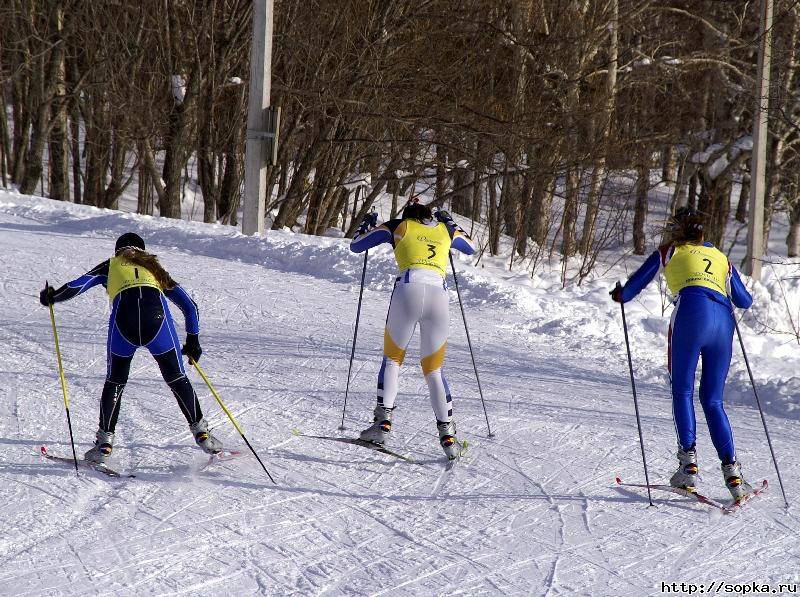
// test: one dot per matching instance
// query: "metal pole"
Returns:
(469, 343)
(230, 416)
(257, 152)
(63, 382)
(755, 226)
(760, 411)
(635, 400)
(355, 335)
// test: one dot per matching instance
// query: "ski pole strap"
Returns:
(219, 400)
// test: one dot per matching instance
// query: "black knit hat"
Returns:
(129, 239)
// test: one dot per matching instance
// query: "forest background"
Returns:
(549, 121)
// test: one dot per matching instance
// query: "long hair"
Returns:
(151, 264)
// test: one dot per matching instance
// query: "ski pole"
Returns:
(469, 343)
(355, 335)
(635, 400)
(63, 380)
(230, 416)
(760, 411)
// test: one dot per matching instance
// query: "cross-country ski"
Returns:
(355, 442)
(221, 457)
(101, 468)
(726, 508)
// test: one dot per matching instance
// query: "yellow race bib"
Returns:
(423, 246)
(122, 274)
(697, 265)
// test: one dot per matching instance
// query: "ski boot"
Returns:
(739, 488)
(686, 475)
(103, 446)
(378, 432)
(447, 439)
(204, 439)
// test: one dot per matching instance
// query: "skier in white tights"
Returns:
(422, 246)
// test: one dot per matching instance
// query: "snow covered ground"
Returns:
(533, 510)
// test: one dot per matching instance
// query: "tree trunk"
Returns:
(229, 189)
(46, 88)
(494, 219)
(97, 146)
(117, 184)
(640, 213)
(526, 210)
(793, 239)
(606, 118)
(58, 162)
(570, 218)
(593, 205)
(460, 198)
(147, 158)
(75, 135)
(5, 140)
(669, 164)
(744, 200)
(144, 197)
(207, 157)
(176, 153)
(541, 202)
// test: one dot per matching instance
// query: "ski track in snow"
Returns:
(531, 511)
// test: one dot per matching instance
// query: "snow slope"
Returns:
(532, 510)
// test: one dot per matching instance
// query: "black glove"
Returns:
(368, 223)
(448, 221)
(192, 347)
(616, 293)
(46, 295)
(444, 216)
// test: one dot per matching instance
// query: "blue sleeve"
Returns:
(189, 308)
(739, 295)
(373, 238)
(641, 277)
(463, 243)
(96, 275)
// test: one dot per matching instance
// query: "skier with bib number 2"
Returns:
(706, 287)
(421, 247)
(138, 285)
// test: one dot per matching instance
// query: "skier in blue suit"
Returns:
(705, 287)
(137, 285)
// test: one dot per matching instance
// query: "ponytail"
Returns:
(151, 264)
(686, 226)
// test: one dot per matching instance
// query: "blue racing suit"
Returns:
(701, 325)
(140, 317)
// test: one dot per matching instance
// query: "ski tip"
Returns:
(296, 431)
(43, 449)
(619, 480)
